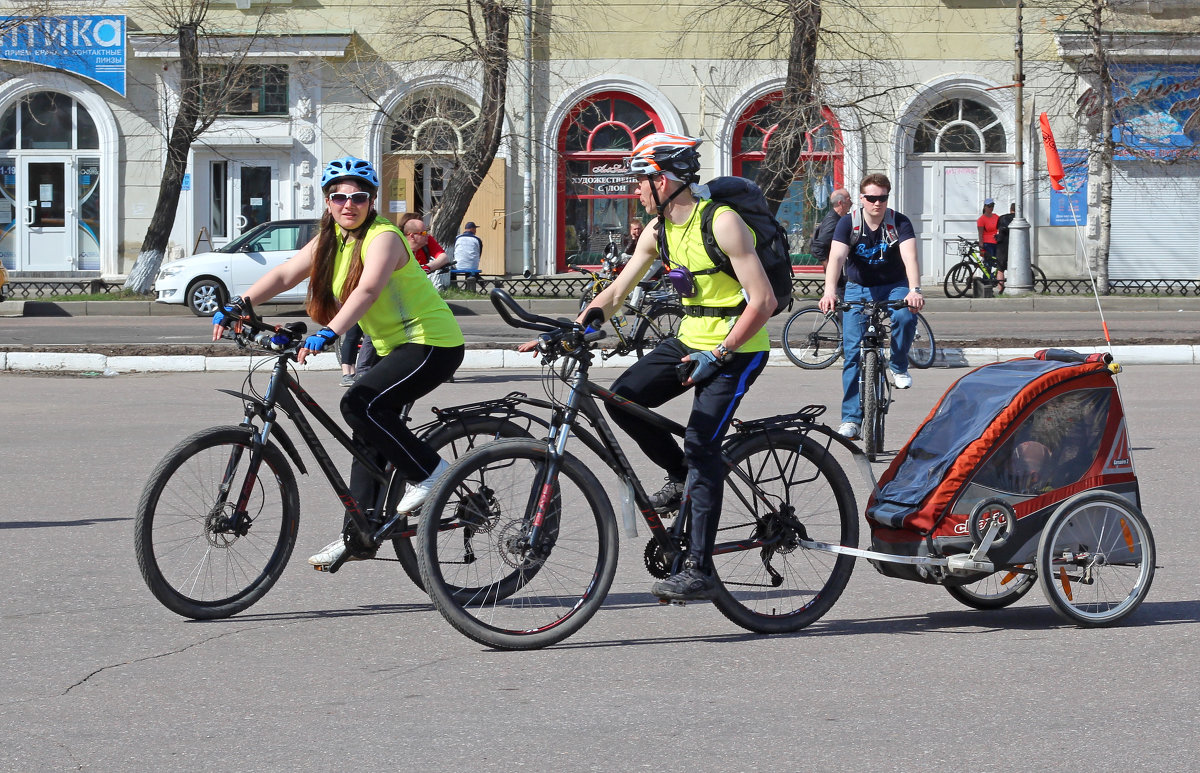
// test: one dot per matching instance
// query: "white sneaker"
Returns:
(328, 554)
(416, 493)
(901, 380)
(848, 430)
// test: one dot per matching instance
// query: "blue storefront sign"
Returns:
(91, 46)
(1156, 108)
(1069, 206)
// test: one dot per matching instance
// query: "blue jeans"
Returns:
(904, 326)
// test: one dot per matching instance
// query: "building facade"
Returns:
(86, 104)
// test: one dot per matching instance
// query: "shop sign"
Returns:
(1069, 206)
(1155, 108)
(91, 46)
(603, 178)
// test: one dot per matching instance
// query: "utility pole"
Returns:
(1020, 276)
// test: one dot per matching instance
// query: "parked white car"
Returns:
(204, 282)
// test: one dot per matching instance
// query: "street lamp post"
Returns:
(1020, 276)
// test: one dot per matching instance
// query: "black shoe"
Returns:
(690, 584)
(668, 497)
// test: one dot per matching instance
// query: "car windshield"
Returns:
(268, 237)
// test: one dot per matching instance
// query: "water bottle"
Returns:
(628, 511)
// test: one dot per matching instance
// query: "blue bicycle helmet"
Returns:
(349, 167)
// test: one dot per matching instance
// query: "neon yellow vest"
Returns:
(409, 310)
(685, 247)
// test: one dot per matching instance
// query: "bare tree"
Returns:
(203, 94)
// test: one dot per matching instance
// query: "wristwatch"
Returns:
(915, 290)
(722, 353)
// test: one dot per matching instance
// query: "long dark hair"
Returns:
(321, 303)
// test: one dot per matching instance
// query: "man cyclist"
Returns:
(881, 266)
(722, 339)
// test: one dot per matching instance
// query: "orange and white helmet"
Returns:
(670, 154)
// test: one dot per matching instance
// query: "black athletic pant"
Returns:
(652, 381)
(372, 409)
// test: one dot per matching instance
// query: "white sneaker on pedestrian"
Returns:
(848, 430)
(902, 380)
(416, 493)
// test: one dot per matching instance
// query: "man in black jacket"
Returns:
(839, 205)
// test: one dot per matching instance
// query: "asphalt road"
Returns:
(357, 671)
(161, 335)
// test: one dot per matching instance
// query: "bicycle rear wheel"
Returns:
(958, 279)
(200, 558)
(659, 324)
(486, 571)
(782, 487)
(924, 348)
(812, 339)
(451, 440)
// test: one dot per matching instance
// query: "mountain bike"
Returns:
(874, 388)
(812, 339)
(961, 276)
(530, 527)
(217, 520)
(651, 314)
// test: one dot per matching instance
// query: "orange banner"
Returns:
(1053, 165)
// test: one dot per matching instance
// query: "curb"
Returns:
(493, 359)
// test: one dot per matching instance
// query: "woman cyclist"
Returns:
(361, 270)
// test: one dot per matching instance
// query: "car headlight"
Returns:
(169, 271)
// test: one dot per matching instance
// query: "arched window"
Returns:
(429, 130)
(597, 196)
(819, 173)
(960, 126)
(48, 121)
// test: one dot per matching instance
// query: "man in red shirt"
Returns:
(988, 225)
(426, 250)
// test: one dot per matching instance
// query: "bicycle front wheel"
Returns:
(451, 441)
(497, 576)
(659, 324)
(871, 393)
(958, 279)
(812, 339)
(924, 348)
(782, 487)
(198, 556)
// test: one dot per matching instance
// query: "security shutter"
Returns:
(1155, 221)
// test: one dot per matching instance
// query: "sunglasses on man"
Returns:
(875, 199)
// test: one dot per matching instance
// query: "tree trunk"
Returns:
(481, 148)
(183, 133)
(800, 107)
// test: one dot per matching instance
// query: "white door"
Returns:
(241, 194)
(47, 215)
(944, 203)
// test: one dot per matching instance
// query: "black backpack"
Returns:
(770, 240)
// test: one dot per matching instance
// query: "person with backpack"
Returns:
(719, 351)
(878, 248)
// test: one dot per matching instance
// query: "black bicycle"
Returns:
(874, 388)
(650, 315)
(812, 339)
(218, 518)
(530, 526)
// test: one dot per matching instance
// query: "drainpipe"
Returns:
(527, 197)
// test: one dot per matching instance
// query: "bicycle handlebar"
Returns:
(277, 338)
(848, 305)
(506, 307)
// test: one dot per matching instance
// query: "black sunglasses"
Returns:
(875, 199)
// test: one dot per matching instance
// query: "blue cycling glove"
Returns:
(232, 312)
(705, 366)
(317, 341)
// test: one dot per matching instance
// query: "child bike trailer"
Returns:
(1026, 465)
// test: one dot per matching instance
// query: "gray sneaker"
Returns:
(689, 584)
(668, 497)
(347, 379)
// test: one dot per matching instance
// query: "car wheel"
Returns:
(205, 297)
